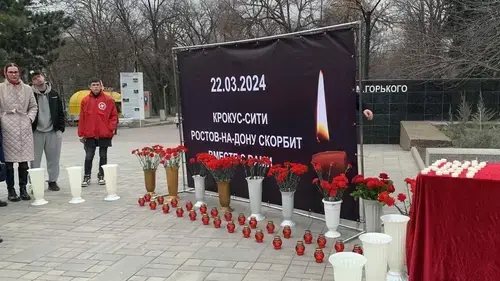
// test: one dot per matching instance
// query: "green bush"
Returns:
(469, 129)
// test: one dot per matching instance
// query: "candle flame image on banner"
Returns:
(322, 133)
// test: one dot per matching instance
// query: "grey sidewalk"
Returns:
(108, 241)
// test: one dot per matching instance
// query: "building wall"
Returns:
(393, 101)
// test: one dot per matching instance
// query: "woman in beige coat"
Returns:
(18, 109)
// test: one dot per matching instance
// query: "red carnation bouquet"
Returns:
(171, 157)
(371, 188)
(149, 157)
(223, 169)
(386, 198)
(331, 187)
(256, 168)
(287, 175)
(198, 164)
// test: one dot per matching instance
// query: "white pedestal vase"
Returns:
(110, 176)
(287, 206)
(375, 249)
(373, 211)
(75, 175)
(332, 217)
(347, 266)
(199, 190)
(255, 196)
(395, 226)
(37, 177)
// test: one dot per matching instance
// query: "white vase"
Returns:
(110, 176)
(37, 177)
(287, 206)
(375, 249)
(373, 211)
(347, 266)
(255, 196)
(75, 175)
(395, 226)
(332, 217)
(199, 190)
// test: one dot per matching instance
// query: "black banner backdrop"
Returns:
(261, 99)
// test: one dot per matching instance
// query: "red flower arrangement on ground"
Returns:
(287, 175)
(198, 164)
(372, 188)
(223, 169)
(256, 168)
(171, 157)
(149, 157)
(332, 187)
(386, 198)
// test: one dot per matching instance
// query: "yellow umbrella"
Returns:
(76, 100)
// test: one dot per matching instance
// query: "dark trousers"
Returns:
(23, 174)
(89, 157)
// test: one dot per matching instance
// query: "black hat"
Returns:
(34, 73)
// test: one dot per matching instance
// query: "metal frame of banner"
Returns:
(357, 26)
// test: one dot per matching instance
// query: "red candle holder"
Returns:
(287, 232)
(357, 249)
(228, 216)
(253, 222)
(319, 255)
(192, 215)
(214, 212)
(277, 242)
(339, 246)
(147, 197)
(174, 203)
(203, 209)
(160, 200)
(259, 236)
(241, 219)
(230, 227)
(141, 201)
(246, 231)
(165, 208)
(189, 206)
(321, 241)
(179, 212)
(152, 205)
(308, 237)
(205, 219)
(217, 222)
(270, 227)
(300, 248)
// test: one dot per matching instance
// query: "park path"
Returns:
(118, 241)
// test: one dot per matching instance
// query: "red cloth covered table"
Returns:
(454, 231)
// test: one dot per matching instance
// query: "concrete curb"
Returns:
(416, 157)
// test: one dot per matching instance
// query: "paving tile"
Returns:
(215, 276)
(118, 241)
(187, 276)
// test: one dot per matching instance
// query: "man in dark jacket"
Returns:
(96, 128)
(48, 127)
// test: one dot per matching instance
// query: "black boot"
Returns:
(1, 240)
(9, 179)
(12, 195)
(53, 186)
(3, 204)
(23, 181)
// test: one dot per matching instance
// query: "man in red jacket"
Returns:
(96, 127)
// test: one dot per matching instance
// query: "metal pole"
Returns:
(179, 120)
(361, 164)
(304, 32)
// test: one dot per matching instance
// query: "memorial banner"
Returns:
(285, 98)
